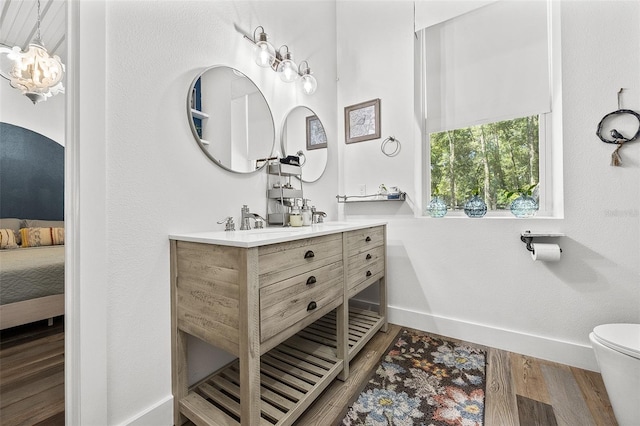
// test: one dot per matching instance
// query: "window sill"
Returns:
(492, 215)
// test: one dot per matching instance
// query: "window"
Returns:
(488, 84)
(488, 159)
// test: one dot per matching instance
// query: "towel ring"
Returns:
(385, 142)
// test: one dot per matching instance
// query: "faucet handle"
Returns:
(259, 223)
(228, 224)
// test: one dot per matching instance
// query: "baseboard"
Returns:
(573, 354)
(161, 413)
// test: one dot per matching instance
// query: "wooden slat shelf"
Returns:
(362, 325)
(291, 376)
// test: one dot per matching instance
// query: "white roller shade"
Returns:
(431, 12)
(487, 65)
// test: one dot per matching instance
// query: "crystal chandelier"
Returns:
(34, 72)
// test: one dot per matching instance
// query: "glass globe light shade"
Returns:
(264, 53)
(309, 84)
(287, 69)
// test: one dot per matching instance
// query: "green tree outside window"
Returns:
(495, 160)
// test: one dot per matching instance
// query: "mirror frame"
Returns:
(194, 132)
(283, 148)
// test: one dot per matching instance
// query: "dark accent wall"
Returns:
(31, 175)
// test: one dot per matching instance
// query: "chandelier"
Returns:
(34, 72)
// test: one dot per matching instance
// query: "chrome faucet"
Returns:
(245, 219)
(228, 224)
(316, 216)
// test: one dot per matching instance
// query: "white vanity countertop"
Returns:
(272, 234)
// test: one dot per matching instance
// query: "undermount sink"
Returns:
(273, 229)
(275, 232)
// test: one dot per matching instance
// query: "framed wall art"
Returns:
(362, 121)
(316, 137)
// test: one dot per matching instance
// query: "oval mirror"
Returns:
(230, 119)
(303, 134)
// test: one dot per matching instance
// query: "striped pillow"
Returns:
(35, 237)
(7, 239)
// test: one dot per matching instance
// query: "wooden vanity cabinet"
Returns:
(365, 259)
(282, 309)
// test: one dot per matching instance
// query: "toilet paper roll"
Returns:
(545, 252)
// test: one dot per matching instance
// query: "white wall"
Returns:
(473, 279)
(46, 118)
(375, 60)
(157, 179)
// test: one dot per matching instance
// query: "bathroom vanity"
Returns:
(278, 299)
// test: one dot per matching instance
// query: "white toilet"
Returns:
(617, 348)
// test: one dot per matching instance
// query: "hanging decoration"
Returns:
(34, 72)
(617, 137)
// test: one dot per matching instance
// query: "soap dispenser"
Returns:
(295, 218)
(306, 213)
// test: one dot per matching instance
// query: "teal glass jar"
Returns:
(524, 206)
(436, 207)
(475, 207)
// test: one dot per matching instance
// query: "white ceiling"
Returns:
(18, 23)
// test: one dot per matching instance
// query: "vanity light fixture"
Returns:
(309, 83)
(34, 72)
(281, 61)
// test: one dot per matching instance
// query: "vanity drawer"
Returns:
(287, 302)
(365, 268)
(279, 262)
(362, 240)
(364, 259)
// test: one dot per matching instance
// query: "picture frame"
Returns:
(316, 136)
(362, 121)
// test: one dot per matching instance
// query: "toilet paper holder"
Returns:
(527, 238)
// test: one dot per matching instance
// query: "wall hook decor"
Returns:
(617, 137)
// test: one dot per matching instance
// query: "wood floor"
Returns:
(521, 391)
(32, 374)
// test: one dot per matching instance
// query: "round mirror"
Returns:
(303, 134)
(230, 119)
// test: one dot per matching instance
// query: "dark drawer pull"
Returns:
(367, 239)
(368, 256)
(311, 306)
(311, 280)
(368, 273)
(309, 254)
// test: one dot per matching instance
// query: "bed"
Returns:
(31, 186)
(31, 284)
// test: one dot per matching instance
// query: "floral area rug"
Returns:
(423, 381)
